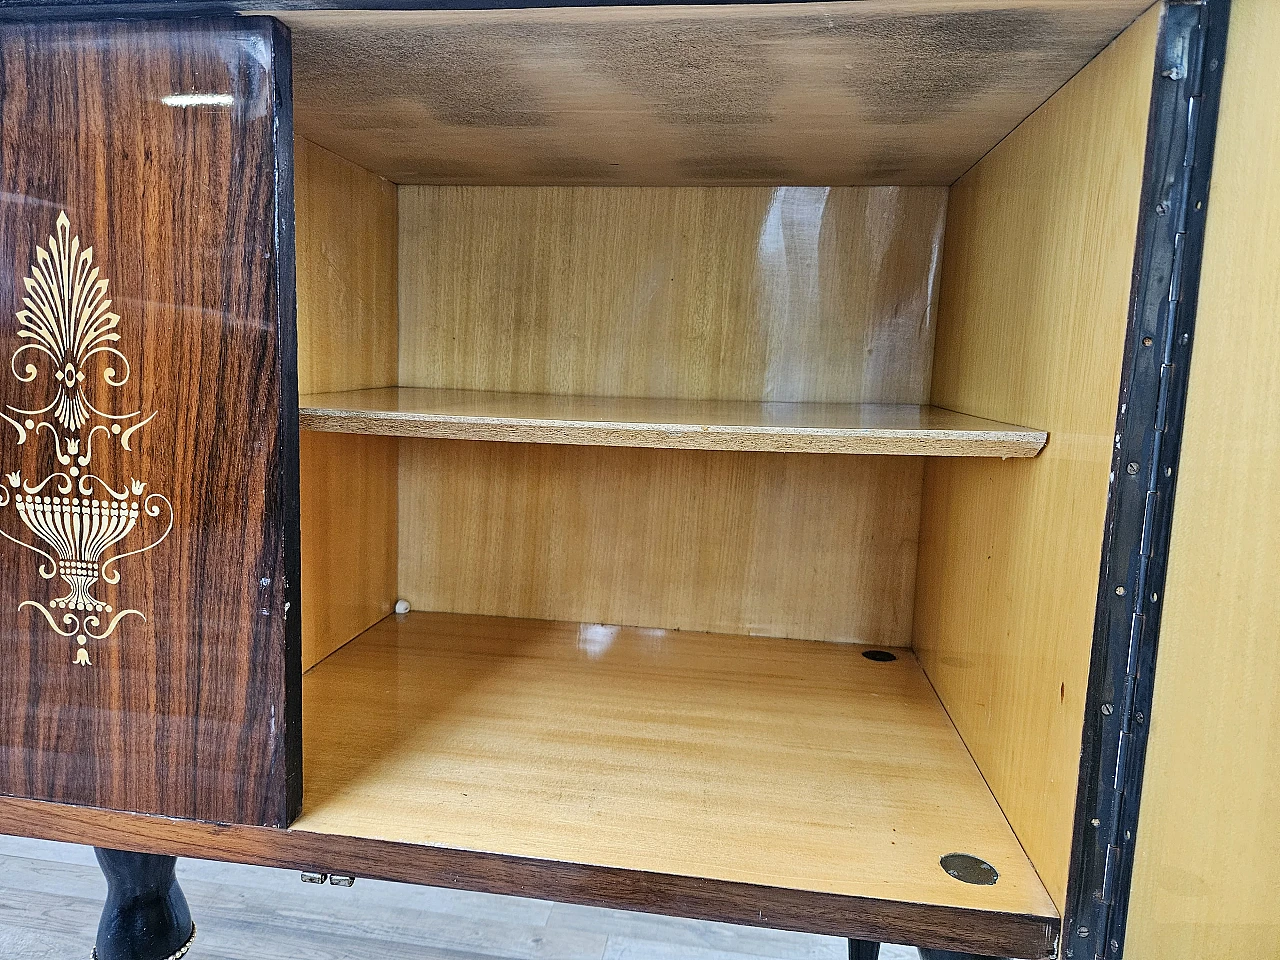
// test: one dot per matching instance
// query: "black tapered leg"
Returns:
(864, 950)
(146, 916)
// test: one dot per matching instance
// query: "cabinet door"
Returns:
(148, 440)
(1206, 875)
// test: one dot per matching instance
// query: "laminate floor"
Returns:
(51, 895)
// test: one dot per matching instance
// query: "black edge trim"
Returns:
(1182, 124)
(287, 372)
(112, 9)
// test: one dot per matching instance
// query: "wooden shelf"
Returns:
(682, 424)
(784, 782)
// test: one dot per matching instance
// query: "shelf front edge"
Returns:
(683, 436)
(943, 928)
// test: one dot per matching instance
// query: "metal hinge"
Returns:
(1175, 277)
(1122, 758)
(1109, 875)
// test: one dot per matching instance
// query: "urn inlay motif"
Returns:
(77, 516)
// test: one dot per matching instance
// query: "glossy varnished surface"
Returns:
(780, 544)
(779, 908)
(186, 712)
(777, 763)
(685, 424)
(1032, 322)
(866, 92)
(53, 894)
(728, 293)
(1206, 878)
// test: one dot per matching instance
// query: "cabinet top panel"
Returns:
(858, 92)
(853, 92)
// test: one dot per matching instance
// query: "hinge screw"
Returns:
(1107, 709)
(1131, 469)
(1082, 932)
(1162, 208)
(1139, 717)
(1120, 591)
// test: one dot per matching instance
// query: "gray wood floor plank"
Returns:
(49, 914)
(680, 932)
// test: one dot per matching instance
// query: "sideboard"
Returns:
(709, 459)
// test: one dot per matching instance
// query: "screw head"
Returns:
(1082, 931)
(1107, 709)
(1131, 469)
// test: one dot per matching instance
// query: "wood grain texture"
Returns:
(1207, 868)
(347, 337)
(349, 538)
(865, 92)
(906, 430)
(780, 908)
(54, 895)
(797, 294)
(821, 548)
(772, 763)
(346, 266)
(1034, 307)
(188, 712)
(753, 760)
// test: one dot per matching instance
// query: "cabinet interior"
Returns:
(668, 361)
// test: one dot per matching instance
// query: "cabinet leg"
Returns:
(864, 950)
(146, 916)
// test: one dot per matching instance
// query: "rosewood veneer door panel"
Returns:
(148, 403)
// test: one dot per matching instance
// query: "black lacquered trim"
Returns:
(97, 9)
(289, 479)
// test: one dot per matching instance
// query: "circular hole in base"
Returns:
(969, 869)
(879, 656)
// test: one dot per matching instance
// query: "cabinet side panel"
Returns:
(783, 545)
(347, 319)
(349, 539)
(1207, 866)
(347, 340)
(699, 293)
(142, 615)
(1032, 319)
